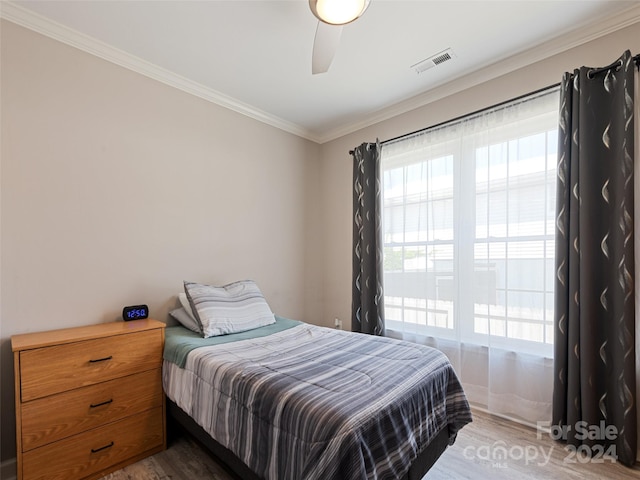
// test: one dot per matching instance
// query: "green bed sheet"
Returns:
(179, 341)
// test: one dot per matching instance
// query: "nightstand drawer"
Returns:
(49, 419)
(90, 452)
(50, 370)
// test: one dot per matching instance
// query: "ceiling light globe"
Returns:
(338, 12)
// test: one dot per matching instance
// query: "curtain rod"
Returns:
(636, 60)
(482, 110)
(351, 152)
(616, 64)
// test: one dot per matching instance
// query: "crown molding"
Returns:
(44, 26)
(576, 37)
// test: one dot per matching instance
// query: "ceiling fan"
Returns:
(332, 16)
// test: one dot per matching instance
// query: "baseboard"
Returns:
(8, 470)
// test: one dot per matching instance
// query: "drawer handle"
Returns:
(95, 405)
(96, 450)
(101, 359)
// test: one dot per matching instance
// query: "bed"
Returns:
(297, 401)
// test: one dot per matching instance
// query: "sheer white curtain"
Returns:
(468, 219)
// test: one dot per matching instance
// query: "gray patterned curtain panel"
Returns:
(595, 377)
(367, 309)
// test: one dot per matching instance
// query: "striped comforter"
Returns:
(316, 403)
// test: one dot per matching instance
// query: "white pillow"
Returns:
(186, 320)
(232, 308)
(184, 301)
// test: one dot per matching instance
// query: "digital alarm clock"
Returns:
(135, 312)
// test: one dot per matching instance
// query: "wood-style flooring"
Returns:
(475, 455)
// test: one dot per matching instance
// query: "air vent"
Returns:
(437, 59)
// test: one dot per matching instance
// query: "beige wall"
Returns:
(116, 188)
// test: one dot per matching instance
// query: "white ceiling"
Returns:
(255, 56)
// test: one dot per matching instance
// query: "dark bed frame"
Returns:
(239, 470)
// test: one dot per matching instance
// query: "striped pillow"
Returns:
(233, 308)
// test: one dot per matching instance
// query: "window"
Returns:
(468, 219)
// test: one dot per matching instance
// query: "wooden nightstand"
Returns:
(89, 399)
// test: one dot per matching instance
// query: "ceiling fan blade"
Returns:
(325, 46)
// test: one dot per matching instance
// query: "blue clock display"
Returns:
(135, 312)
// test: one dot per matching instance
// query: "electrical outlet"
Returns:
(338, 323)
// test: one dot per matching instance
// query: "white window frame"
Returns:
(464, 235)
